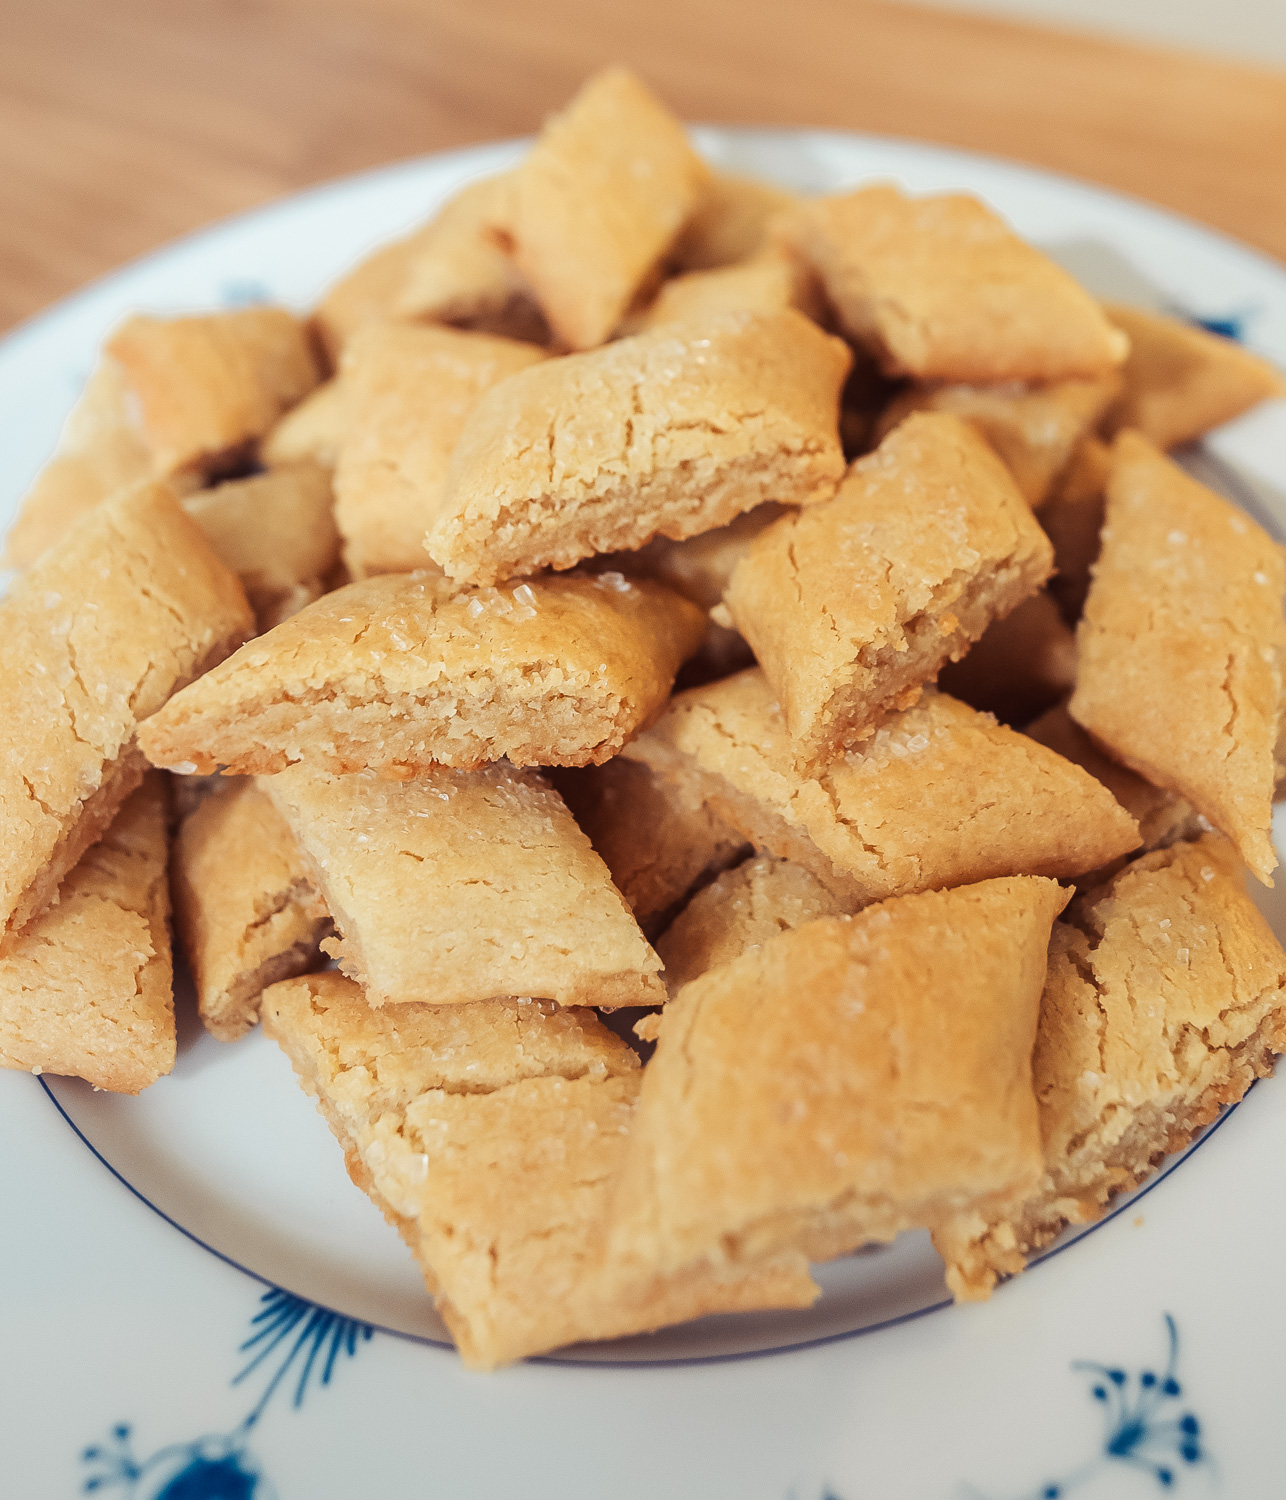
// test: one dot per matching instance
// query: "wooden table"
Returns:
(124, 123)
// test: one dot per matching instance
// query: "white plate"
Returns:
(153, 1249)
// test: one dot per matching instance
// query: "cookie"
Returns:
(659, 841)
(739, 910)
(276, 532)
(86, 988)
(1022, 665)
(129, 606)
(465, 885)
(1166, 999)
(668, 433)
(1181, 381)
(458, 274)
(100, 451)
(1180, 645)
(408, 391)
(1034, 428)
(1072, 519)
(940, 796)
(365, 294)
(843, 1082)
(403, 673)
(314, 430)
(1162, 817)
(730, 222)
(490, 1135)
(597, 202)
(245, 908)
(767, 282)
(207, 388)
(851, 606)
(941, 288)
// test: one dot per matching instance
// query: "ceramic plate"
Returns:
(200, 1306)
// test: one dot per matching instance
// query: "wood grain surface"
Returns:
(124, 123)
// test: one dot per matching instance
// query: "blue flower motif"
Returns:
(244, 291)
(1142, 1429)
(220, 1466)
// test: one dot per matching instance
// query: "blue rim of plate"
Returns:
(692, 1359)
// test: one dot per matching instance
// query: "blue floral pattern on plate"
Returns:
(221, 1466)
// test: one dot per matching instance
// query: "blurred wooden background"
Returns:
(124, 123)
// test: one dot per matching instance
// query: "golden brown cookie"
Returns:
(1034, 428)
(1072, 519)
(1180, 673)
(129, 606)
(851, 606)
(490, 1136)
(276, 531)
(658, 841)
(1022, 665)
(366, 293)
(767, 282)
(940, 796)
(465, 885)
(245, 906)
(1162, 817)
(408, 391)
(1181, 381)
(100, 451)
(941, 288)
(458, 274)
(669, 433)
(86, 988)
(209, 387)
(845, 1081)
(1166, 999)
(405, 672)
(739, 910)
(599, 200)
(315, 429)
(730, 222)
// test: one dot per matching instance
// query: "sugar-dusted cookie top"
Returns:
(100, 451)
(404, 672)
(129, 606)
(208, 387)
(465, 885)
(852, 605)
(739, 910)
(844, 1081)
(939, 796)
(86, 987)
(407, 392)
(1180, 672)
(276, 531)
(457, 273)
(598, 201)
(1181, 381)
(941, 288)
(1165, 1000)
(492, 1135)
(668, 433)
(245, 905)
(1034, 428)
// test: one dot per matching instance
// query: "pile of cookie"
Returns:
(919, 903)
